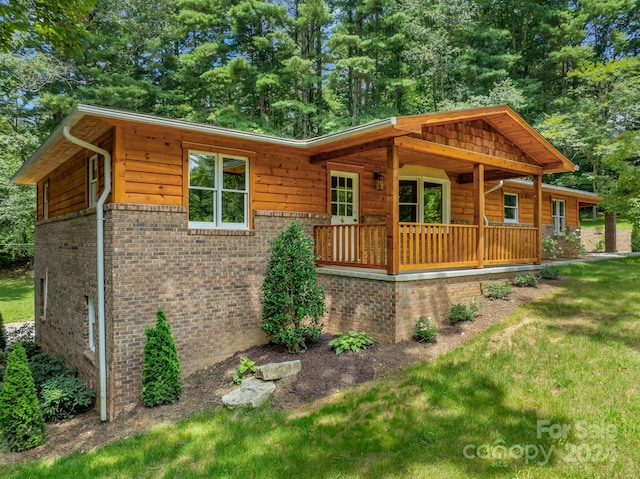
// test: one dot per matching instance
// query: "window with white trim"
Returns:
(218, 190)
(93, 180)
(91, 307)
(510, 208)
(424, 200)
(45, 201)
(559, 215)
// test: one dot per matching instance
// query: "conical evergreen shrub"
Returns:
(293, 299)
(3, 335)
(21, 422)
(161, 381)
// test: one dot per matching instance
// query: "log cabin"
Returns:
(409, 215)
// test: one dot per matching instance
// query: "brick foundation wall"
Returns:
(65, 258)
(208, 283)
(388, 310)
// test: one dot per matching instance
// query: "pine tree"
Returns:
(161, 382)
(21, 421)
(293, 300)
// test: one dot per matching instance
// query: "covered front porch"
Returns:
(467, 155)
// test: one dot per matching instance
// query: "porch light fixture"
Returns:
(379, 180)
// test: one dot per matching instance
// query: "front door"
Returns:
(344, 198)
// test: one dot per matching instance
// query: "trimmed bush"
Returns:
(64, 397)
(161, 382)
(528, 280)
(21, 421)
(461, 312)
(550, 272)
(293, 300)
(425, 330)
(496, 289)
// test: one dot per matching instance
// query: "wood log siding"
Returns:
(423, 246)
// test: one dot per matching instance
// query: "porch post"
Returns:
(537, 215)
(478, 211)
(393, 213)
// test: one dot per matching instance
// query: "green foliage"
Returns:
(526, 280)
(161, 381)
(31, 348)
(549, 271)
(44, 366)
(496, 289)
(635, 238)
(3, 335)
(351, 341)
(293, 300)
(21, 422)
(63, 397)
(425, 330)
(461, 312)
(246, 367)
(572, 246)
(550, 248)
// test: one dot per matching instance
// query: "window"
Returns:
(510, 208)
(559, 217)
(93, 181)
(91, 307)
(424, 200)
(44, 287)
(218, 190)
(45, 201)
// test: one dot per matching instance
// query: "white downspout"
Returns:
(102, 350)
(494, 188)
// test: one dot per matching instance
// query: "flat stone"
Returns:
(273, 371)
(251, 393)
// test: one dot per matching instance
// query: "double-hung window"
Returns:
(93, 181)
(559, 217)
(218, 190)
(510, 208)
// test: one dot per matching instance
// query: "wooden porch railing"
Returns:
(424, 245)
(363, 245)
(510, 244)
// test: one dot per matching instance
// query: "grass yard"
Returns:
(16, 297)
(552, 391)
(586, 222)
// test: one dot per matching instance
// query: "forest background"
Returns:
(305, 68)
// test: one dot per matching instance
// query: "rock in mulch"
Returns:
(273, 371)
(251, 393)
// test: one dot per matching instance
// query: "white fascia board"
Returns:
(547, 186)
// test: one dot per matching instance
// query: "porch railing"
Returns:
(363, 245)
(424, 245)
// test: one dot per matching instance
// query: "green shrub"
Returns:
(161, 382)
(21, 421)
(496, 289)
(572, 246)
(63, 397)
(462, 312)
(293, 300)
(550, 248)
(425, 330)
(528, 280)
(635, 238)
(44, 366)
(246, 367)
(550, 272)
(3, 335)
(351, 341)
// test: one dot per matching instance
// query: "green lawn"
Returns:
(586, 222)
(552, 391)
(16, 297)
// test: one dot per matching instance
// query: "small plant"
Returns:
(550, 248)
(3, 335)
(351, 341)
(246, 367)
(462, 312)
(425, 330)
(64, 397)
(550, 272)
(44, 366)
(293, 299)
(528, 280)
(161, 382)
(572, 246)
(496, 289)
(21, 421)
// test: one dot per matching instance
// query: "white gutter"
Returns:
(490, 190)
(102, 351)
